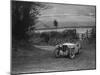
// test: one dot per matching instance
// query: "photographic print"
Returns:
(52, 37)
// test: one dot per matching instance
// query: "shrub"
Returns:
(71, 34)
(45, 36)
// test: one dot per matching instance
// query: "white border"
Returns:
(5, 36)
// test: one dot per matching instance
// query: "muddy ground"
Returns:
(42, 59)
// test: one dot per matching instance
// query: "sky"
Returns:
(67, 14)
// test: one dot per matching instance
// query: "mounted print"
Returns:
(52, 37)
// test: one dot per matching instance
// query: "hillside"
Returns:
(49, 24)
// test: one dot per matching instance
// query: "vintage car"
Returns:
(67, 49)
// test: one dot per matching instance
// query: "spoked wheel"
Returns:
(71, 55)
(57, 53)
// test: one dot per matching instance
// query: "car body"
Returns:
(67, 49)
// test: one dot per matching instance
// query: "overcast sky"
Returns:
(68, 13)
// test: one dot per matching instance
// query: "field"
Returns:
(42, 59)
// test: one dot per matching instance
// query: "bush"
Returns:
(45, 36)
(55, 34)
(53, 38)
(71, 34)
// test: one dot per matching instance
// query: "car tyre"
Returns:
(78, 51)
(57, 53)
(72, 55)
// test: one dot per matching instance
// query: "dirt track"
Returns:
(42, 59)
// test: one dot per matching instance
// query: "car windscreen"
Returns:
(65, 47)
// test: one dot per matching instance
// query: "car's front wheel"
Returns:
(57, 53)
(71, 54)
(78, 52)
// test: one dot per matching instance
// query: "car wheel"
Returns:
(78, 51)
(72, 55)
(57, 53)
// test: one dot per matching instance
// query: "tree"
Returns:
(24, 15)
(92, 36)
(93, 33)
(55, 23)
